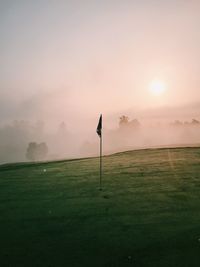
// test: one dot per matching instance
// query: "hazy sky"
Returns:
(71, 60)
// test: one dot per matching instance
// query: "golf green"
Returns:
(148, 213)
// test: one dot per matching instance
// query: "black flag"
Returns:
(99, 126)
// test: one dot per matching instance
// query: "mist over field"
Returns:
(155, 128)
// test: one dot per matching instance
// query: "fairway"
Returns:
(148, 214)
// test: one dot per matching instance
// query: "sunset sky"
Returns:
(69, 60)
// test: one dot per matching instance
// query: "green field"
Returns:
(148, 214)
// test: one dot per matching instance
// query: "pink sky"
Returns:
(71, 60)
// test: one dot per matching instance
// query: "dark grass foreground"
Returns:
(148, 213)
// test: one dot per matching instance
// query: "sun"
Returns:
(157, 87)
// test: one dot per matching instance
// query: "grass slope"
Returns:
(148, 214)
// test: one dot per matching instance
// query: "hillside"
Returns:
(52, 214)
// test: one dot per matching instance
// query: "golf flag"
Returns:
(99, 132)
(99, 126)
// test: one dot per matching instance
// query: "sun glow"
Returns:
(157, 87)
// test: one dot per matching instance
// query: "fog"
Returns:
(63, 63)
(157, 129)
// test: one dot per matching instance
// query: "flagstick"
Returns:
(100, 188)
(99, 132)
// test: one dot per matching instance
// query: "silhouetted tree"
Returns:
(31, 151)
(123, 121)
(195, 122)
(36, 151)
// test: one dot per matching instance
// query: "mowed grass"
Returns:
(148, 214)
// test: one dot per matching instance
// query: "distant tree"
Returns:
(195, 122)
(36, 151)
(31, 151)
(123, 121)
